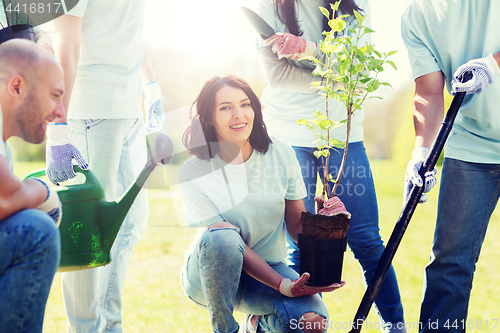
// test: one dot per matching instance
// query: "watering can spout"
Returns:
(111, 214)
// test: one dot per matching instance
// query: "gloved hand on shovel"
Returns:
(153, 104)
(418, 157)
(60, 152)
(483, 71)
(52, 205)
(291, 46)
(298, 287)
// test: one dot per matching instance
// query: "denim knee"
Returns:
(222, 244)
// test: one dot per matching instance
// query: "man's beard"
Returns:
(29, 119)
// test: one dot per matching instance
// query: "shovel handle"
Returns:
(408, 209)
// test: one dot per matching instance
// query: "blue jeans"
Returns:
(212, 277)
(468, 196)
(116, 152)
(30, 250)
(357, 191)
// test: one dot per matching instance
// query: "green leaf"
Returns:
(359, 17)
(368, 30)
(325, 12)
(390, 62)
(318, 114)
(337, 143)
(310, 58)
(391, 53)
(335, 6)
(317, 153)
(302, 121)
(338, 24)
(325, 124)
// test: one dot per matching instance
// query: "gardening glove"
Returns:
(52, 205)
(418, 157)
(290, 46)
(153, 104)
(334, 206)
(483, 70)
(44, 40)
(60, 152)
(298, 287)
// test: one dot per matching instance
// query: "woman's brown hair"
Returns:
(285, 9)
(200, 136)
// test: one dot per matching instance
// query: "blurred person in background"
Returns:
(99, 45)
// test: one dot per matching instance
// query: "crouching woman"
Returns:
(240, 186)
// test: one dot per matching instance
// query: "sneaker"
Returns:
(246, 325)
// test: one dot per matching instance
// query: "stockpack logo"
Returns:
(19, 17)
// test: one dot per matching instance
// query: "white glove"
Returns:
(418, 157)
(52, 205)
(483, 70)
(60, 152)
(153, 104)
(298, 287)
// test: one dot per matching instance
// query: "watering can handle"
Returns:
(89, 175)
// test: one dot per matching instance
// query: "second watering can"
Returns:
(89, 223)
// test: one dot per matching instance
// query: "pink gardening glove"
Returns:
(290, 46)
(334, 206)
(298, 287)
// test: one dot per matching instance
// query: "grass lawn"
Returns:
(154, 301)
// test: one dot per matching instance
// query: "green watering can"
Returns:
(89, 223)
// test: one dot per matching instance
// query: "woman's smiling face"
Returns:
(233, 117)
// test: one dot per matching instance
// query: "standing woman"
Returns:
(239, 187)
(289, 97)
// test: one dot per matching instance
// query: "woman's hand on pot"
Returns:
(298, 287)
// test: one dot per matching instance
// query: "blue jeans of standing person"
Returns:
(468, 196)
(357, 191)
(212, 277)
(30, 250)
(116, 152)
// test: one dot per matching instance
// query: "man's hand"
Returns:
(483, 70)
(298, 287)
(60, 152)
(290, 46)
(153, 104)
(52, 205)
(412, 177)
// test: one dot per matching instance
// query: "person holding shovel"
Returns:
(101, 51)
(470, 180)
(31, 90)
(289, 97)
(237, 188)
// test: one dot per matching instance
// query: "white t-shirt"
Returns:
(250, 195)
(442, 35)
(284, 104)
(5, 149)
(108, 83)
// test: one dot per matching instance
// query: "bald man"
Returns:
(31, 90)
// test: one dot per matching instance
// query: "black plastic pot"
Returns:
(322, 258)
(24, 31)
